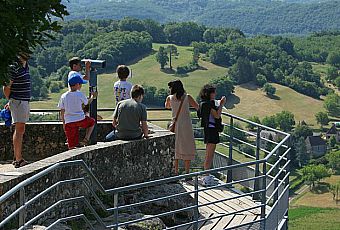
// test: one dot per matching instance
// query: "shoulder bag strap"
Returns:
(179, 110)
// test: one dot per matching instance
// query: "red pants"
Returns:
(72, 130)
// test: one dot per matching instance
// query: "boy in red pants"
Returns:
(72, 113)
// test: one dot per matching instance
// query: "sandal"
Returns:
(20, 163)
(84, 142)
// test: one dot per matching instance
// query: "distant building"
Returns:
(316, 146)
(333, 132)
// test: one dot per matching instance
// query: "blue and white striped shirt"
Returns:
(21, 86)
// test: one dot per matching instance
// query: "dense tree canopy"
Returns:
(251, 16)
(261, 58)
(332, 104)
(24, 25)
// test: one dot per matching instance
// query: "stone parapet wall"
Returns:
(115, 164)
(42, 139)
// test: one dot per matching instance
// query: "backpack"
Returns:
(205, 119)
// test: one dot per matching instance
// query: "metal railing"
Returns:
(263, 171)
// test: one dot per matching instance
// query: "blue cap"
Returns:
(76, 78)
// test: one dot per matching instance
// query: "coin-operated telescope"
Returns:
(95, 64)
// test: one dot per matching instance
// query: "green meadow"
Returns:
(248, 100)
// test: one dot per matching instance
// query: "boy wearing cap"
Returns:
(72, 113)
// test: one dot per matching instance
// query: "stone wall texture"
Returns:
(115, 164)
(42, 140)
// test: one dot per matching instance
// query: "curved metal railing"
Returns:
(269, 184)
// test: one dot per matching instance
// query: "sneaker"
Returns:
(209, 180)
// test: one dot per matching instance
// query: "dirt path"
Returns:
(298, 192)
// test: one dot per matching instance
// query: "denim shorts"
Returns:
(20, 110)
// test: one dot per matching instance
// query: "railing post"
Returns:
(115, 205)
(257, 196)
(274, 173)
(93, 105)
(264, 193)
(230, 159)
(22, 213)
(196, 211)
(286, 183)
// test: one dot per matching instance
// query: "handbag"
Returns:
(218, 125)
(172, 125)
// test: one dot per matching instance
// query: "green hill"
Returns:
(251, 16)
(247, 100)
(147, 71)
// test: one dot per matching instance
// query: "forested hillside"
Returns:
(261, 59)
(251, 16)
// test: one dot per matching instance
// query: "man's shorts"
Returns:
(72, 130)
(20, 110)
(211, 136)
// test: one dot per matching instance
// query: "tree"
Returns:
(332, 73)
(195, 56)
(131, 24)
(224, 86)
(218, 54)
(335, 190)
(270, 121)
(337, 82)
(332, 104)
(24, 25)
(285, 120)
(302, 131)
(332, 141)
(333, 59)
(242, 71)
(302, 157)
(334, 160)
(322, 118)
(172, 50)
(183, 33)
(269, 89)
(255, 119)
(313, 173)
(278, 75)
(38, 89)
(162, 57)
(247, 149)
(261, 80)
(155, 30)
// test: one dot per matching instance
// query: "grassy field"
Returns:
(320, 197)
(247, 101)
(147, 71)
(250, 100)
(315, 210)
(312, 218)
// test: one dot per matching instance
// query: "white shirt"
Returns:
(72, 102)
(122, 90)
(70, 74)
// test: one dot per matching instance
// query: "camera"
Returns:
(95, 63)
